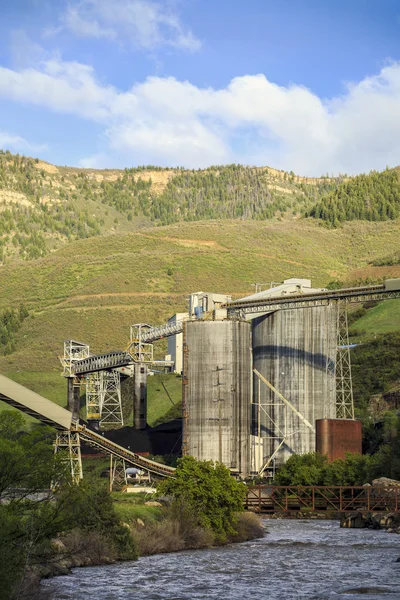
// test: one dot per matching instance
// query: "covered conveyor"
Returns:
(48, 412)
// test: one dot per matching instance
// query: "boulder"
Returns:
(386, 482)
(354, 521)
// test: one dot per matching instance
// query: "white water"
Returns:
(314, 560)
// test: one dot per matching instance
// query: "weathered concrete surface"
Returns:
(217, 392)
(295, 350)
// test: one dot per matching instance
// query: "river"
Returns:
(297, 559)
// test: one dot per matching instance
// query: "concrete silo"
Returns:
(217, 392)
(294, 350)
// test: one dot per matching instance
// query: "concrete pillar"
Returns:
(73, 398)
(140, 396)
(70, 394)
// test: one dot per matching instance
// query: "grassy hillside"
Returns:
(44, 206)
(383, 318)
(106, 249)
(94, 289)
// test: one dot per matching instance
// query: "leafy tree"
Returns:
(32, 513)
(209, 492)
(302, 469)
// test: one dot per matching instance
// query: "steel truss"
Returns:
(111, 403)
(280, 436)
(73, 351)
(344, 384)
(152, 334)
(240, 308)
(117, 472)
(277, 499)
(103, 397)
(139, 348)
(93, 396)
(67, 445)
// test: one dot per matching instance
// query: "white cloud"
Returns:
(15, 142)
(252, 120)
(144, 23)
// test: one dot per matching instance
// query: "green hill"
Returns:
(98, 259)
(44, 206)
(373, 197)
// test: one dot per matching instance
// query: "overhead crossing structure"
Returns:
(386, 291)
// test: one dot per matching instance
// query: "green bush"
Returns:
(209, 492)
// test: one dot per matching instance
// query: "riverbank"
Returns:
(296, 560)
(158, 530)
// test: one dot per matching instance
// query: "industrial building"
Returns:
(231, 414)
(258, 373)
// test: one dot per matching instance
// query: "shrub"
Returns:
(248, 527)
(209, 492)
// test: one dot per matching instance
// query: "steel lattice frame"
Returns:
(111, 403)
(344, 384)
(73, 352)
(140, 350)
(117, 472)
(68, 445)
(93, 396)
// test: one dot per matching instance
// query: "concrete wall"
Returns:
(217, 392)
(175, 343)
(294, 350)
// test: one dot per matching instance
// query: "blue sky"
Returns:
(304, 85)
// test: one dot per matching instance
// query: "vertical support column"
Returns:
(70, 394)
(68, 445)
(344, 384)
(93, 399)
(110, 399)
(77, 399)
(117, 472)
(73, 397)
(185, 421)
(140, 396)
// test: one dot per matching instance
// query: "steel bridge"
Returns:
(328, 499)
(48, 412)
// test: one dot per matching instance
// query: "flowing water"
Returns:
(297, 559)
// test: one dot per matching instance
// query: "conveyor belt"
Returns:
(102, 362)
(50, 413)
(98, 441)
(239, 308)
(357, 294)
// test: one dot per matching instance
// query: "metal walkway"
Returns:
(293, 499)
(48, 412)
(386, 291)
(102, 362)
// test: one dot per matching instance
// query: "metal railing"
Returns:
(287, 499)
(358, 294)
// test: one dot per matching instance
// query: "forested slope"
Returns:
(373, 197)
(43, 206)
